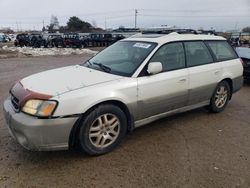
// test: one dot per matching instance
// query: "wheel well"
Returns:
(73, 139)
(124, 108)
(230, 82)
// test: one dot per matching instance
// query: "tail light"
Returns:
(242, 62)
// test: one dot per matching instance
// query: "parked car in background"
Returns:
(37, 40)
(94, 39)
(72, 40)
(103, 39)
(118, 37)
(129, 84)
(22, 39)
(12, 37)
(240, 38)
(3, 37)
(244, 54)
(55, 40)
(84, 40)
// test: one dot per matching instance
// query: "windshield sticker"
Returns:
(142, 45)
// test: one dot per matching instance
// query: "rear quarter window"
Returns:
(222, 50)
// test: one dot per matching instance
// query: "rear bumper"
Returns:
(38, 134)
(246, 73)
(237, 83)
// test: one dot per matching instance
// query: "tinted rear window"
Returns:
(197, 54)
(222, 50)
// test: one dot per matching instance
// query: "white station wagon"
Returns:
(131, 83)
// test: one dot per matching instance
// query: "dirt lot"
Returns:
(194, 149)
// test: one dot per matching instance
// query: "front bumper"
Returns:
(38, 134)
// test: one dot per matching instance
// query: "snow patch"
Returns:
(28, 51)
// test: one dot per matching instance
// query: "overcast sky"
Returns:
(217, 14)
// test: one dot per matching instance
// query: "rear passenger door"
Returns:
(204, 73)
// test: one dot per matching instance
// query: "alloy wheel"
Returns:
(104, 130)
(221, 96)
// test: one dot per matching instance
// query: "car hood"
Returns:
(58, 81)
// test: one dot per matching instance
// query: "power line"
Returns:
(232, 9)
(119, 14)
(190, 16)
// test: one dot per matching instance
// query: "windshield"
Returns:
(122, 58)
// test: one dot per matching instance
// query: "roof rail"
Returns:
(168, 31)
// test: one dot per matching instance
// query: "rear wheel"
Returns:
(220, 97)
(102, 130)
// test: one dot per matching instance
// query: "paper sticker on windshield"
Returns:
(142, 45)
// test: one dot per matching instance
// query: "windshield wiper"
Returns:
(86, 63)
(103, 67)
(89, 63)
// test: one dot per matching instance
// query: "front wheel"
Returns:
(102, 130)
(220, 97)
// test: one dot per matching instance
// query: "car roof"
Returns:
(164, 38)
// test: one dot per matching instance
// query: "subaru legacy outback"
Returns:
(129, 84)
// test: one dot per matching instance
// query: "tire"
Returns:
(84, 45)
(104, 121)
(220, 97)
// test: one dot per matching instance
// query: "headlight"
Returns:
(39, 108)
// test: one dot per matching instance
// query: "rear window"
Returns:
(222, 50)
(197, 54)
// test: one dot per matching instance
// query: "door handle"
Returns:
(216, 72)
(183, 80)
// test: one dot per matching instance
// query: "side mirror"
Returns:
(154, 67)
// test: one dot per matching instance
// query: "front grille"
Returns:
(15, 102)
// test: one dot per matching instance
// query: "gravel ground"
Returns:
(193, 149)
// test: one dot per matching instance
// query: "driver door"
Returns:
(167, 90)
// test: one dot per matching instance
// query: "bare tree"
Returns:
(54, 23)
(94, 24)
(246, 29)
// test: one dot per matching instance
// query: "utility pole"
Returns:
(136, 12)
(43, 29)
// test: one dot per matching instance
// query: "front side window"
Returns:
(197, 53)
(121, 58)
(171, 56)
(222, 50)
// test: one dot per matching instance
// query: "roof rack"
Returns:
(168, 31)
